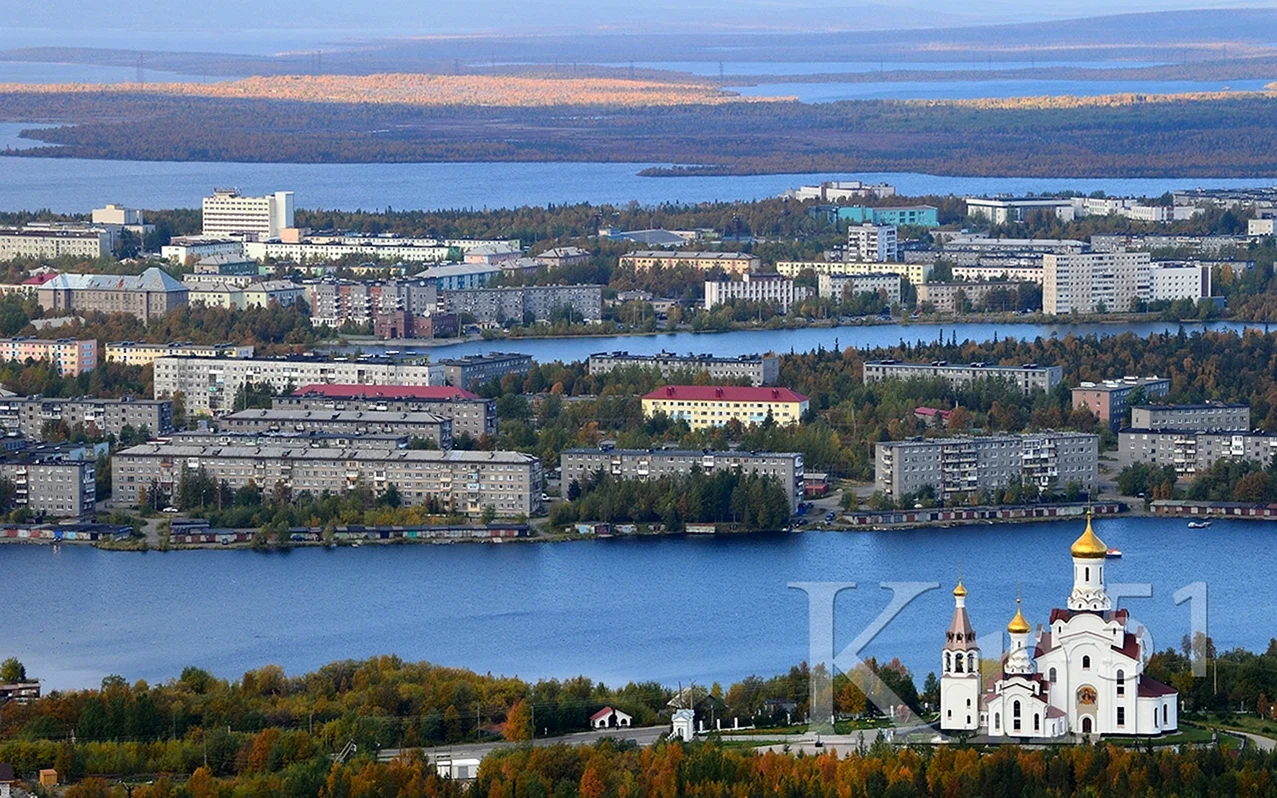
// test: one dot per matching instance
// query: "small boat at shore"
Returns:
(1113, 554)
(1198, 524)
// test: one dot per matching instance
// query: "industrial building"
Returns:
(956, 467)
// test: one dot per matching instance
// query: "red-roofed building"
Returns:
(704, 406)
(608, 718)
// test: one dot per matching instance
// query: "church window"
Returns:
(1051, 678)
(1015, 715)
(946, 661)
(968, 703)
(1088, 574)
(1121, 716)
(1037, 722)
(958, 663)
(1164, 720)
(1086, 663)
(949, 714)
(1121, 682)
(971, 662)
(997, 720)
(968, 720)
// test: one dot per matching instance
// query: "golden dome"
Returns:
(1018, 625)
(1089, 545)
(959, 590)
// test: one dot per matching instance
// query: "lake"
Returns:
(748, 342)
(69, 185)
(670, 609)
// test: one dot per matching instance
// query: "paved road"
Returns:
(1265, 744)
(643, 735)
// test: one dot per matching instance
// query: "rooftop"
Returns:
(335, 416)
(303, 452)
(1126, 383)
(153, 279)
(338, 391)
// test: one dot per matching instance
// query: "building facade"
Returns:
(1207, 416)
(875, 243)
(704, 406)
(150, 295)
(1108, 400)
(1193, 451)
(758, 369)
(472, 370)
(845, 286)
(769, 289)
(1168, 282)
(539, 303)
(52, 485)
(420, 424)
(51, 243)
(210, 384)
(30, 414)
(958, 467)
(1081, 674)
(578, 465)
(913, 215)
(730, 262)
(336, 302)
(228, 212)
(1028, 378)
(68, 355)
(948, 297)
(140, 353)
(1002, 211)
(1094, 282)
(470, 414)
(460, 481)
(916, 273)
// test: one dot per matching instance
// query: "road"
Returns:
(1264, 744)
(643, 735)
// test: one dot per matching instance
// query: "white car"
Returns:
(170, 510)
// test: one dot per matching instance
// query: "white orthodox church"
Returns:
(1082, 675)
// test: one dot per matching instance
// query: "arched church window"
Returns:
(1015, 715)
(946, 661)
(1037, 722)
(1051, 678)
(957, 663)
(997, 720)
(1088, 574)
(1121, 682)
(1086, 663)
(1164, 716)
(971, 662)
(968, 703)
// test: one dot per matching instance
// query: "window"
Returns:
(1015, 715)
(1086, 663)
(1165, 707)
(1121, 716)
(1121, 682)
(1051, 677)
(1037, 722)
(968, 703)
(997, 720)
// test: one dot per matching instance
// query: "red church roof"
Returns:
(725, 393)
(384, 391)
(1152, 688)
(602, 713)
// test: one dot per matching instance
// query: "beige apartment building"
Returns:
(730, 262)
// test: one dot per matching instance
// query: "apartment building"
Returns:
(837, 190)
(1002, 211)
(463, 481)
(578, 465)
(30, 414)
(426, 426)
(68, 355)
(876, 243)
(1171, 281)
(229, 213)
(991, 271)
(184, 250)
(378, 248)
(559, 257)
(141, 353)
(916, 273)
(1193, 451)
(290, 439)
(758, 369)
(845, 286)
(539, 303)
(210, 384)
(946, 297)
(1108, 400)
(471, 370)
(54, 242)
(460, 276)
(336, 302)
(150, 295)
(51, 485)
(470, 414)
(913, 215)
(771, 289)
(730, 262)
(1028, 378)
(1094, 282)
(1207, 416)
(956, 467)
(704, 406)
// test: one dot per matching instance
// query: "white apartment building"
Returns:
(916, 273)
(1261, 227)
(1095, 281)
(210, 384)
(1001, 211)
(766, 288)
(228, 212)
(844, 286)
(873, 242)
(54, 242)
(1173, 281)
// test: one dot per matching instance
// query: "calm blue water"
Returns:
(672, 609)
(68, 185)
(711, 68)
(746, 342)
(978, 89)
